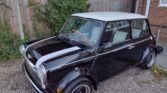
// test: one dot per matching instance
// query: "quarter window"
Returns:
(139, 29)
(117, 32)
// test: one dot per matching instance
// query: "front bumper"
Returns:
(35, 87)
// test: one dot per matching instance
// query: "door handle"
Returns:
(131, 47)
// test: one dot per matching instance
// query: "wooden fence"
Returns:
(19, 12)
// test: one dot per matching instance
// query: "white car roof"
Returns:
(110, 16)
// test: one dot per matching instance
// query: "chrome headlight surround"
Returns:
(41, 72)
(22, 49)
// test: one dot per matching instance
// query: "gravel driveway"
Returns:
(133, 80)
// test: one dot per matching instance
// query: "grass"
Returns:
(158, 72)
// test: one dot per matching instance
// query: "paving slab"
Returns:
(161, 59)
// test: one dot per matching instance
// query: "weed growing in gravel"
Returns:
(158, 72)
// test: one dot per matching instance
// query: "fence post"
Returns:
(20, 25)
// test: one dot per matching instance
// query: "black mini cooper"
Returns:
(90, 48)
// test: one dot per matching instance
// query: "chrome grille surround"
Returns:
(33, 72)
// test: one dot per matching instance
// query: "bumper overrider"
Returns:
(36, 88)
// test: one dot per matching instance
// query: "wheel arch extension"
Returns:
(72, 76)
(147, 51)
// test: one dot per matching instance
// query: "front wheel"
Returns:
(81, 85)
(149, 60)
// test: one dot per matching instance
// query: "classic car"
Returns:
(90, 48)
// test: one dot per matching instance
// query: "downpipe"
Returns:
(158, 47)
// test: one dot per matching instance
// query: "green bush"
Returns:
(55, 12)
(9, 43)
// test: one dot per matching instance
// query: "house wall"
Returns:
(157, 17)
(110, 5)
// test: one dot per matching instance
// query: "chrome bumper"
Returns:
(35, 87)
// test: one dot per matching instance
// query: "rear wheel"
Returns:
(149, 60)
(81, 85)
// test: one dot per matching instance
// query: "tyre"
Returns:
(81, 85)
(149, 60)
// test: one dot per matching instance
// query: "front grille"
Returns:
(33, 74)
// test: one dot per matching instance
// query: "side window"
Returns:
(117, 32)
(139, 28)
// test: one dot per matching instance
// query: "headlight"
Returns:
(42, 75)
(22, 49)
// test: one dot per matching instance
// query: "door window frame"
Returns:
(104, 30)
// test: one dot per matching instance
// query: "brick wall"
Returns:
(157, 16)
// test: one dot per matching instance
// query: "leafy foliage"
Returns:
(9, 43)
(55, 12)
(52, 15)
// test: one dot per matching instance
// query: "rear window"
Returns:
(140, 29)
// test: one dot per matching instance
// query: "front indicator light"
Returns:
(22, 49)
(59, 90)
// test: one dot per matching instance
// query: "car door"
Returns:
(112, 56)
(142, 39)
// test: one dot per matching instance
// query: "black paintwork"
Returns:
(96, 63)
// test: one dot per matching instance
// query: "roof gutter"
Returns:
(147, 8)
